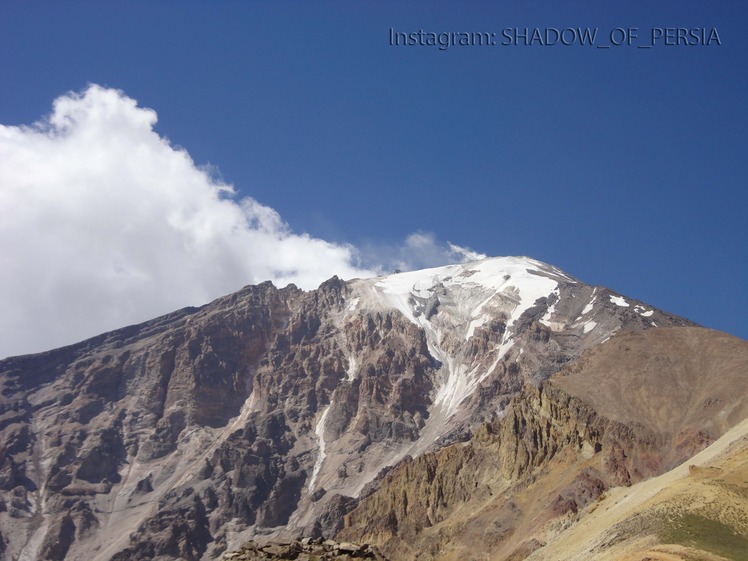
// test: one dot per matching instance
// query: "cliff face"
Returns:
(271, 412)
(97, 435)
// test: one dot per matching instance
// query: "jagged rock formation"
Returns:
(277, 412)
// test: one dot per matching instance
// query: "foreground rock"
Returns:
(306, 549)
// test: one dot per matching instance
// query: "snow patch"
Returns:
(619, 301)
(352, 306)
(457, 385)
(474, 324)
(456, 388)
(546, 319)
(615, 330)
(351, 372)
(588, 308)
(589, 326)
(506, 344)
(642, 311)
(528, 294)
(320, 432)
(488, 372)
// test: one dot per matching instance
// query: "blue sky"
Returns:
(624, 166)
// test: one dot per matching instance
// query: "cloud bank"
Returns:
(103, 223)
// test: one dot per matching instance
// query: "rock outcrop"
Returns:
(304, 549)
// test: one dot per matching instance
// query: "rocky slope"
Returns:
(273, 412)
(698, 510)
(633, 408)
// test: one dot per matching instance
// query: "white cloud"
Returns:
(420, 250)
(103, 223)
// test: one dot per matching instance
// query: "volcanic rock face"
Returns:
(277, 412)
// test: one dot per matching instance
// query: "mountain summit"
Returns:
(417, 411)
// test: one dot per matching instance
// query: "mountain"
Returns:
(471, 409)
